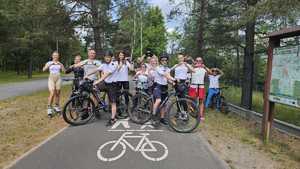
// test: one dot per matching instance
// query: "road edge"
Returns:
(212, 151)
(14, 162)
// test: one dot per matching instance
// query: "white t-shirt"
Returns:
(109, 68)
(159, 77)
(123, 72)
(181, 72)
(214, 81)
(54, 68)
(198, 77)
(90, 66)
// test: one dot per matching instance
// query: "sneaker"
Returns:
(49, 111)
(57, 108)
(164, 121)
(111, 122)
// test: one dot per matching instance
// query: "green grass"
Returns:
(11, 77)
(282, 112)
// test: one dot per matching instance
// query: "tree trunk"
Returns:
(238, 80)
(29, 72)
(96, 26)
(202, 9)
(247, 84)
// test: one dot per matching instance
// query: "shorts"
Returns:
(54, 82)
(112, 90)
(123, 84)
(160, 92)
(197, 92)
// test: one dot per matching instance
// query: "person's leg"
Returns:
(126, 87)
(218, 97)
(164, 95)
(209, 97)
(157, 98)
(57, 97)
(112, 94)
(201, 108)
(51, 97)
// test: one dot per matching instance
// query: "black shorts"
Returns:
(111, 90)
(160, 91)
(123, 84)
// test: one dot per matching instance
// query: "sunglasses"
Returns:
(164, 60)
(199, 60)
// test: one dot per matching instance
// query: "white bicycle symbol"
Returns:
(118, 147)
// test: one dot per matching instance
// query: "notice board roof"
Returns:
(285, 33)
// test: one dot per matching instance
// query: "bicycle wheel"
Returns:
(224, 107)
(183, 115)
(123, 106)
(141, 108)
(78, 111)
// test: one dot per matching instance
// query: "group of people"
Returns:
(112, 75)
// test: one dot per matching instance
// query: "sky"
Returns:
(166, 7)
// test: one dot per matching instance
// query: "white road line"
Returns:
(34, 148)
(137, 130)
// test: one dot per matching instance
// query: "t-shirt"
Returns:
(123, 72)
(181, 72)
(198, 77)
(142, 81)
(54, 68)
(109, 68)
(90, 66)
(159, 77)
(214, 81)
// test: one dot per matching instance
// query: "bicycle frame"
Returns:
(143, 137)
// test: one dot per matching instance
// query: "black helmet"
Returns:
(149, 53)
(108, 53)
(164, 56)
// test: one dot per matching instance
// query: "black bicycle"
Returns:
(181, 113)
(88, 103)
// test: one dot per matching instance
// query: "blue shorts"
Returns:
(160, 92)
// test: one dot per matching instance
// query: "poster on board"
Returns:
(285, 79)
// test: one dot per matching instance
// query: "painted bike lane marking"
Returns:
(151, 150)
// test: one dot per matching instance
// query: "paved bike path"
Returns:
(76, 148)
(23, 88)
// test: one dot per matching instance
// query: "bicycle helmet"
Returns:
(164, 56)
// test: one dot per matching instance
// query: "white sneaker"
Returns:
(49, 112)
(57, 109)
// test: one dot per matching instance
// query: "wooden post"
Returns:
(268, 115)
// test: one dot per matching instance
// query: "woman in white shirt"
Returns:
(124, 66)
(197, 88)
(54, 82)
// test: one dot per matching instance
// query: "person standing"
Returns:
(160, 91)
(214, 87)
(109, 74)
(78, 72)
(124, 66)
(54, 82)
(197, 88)
(90, 65)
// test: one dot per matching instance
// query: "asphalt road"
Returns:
(23, 88)
(91, 147)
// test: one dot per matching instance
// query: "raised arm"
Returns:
(221, 72)
(207, 70)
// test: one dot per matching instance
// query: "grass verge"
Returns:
(239, 143)
(24, 124)
(282, 112)
(11, 77)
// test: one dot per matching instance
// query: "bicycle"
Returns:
(81, 108)
(148, 148)
(184, 119)
(223, 105)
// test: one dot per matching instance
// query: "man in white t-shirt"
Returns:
(214, 87)
(90, 65)
(197, 88)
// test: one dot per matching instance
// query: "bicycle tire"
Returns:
(80, 100)
(141, 111)
(191, 106)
